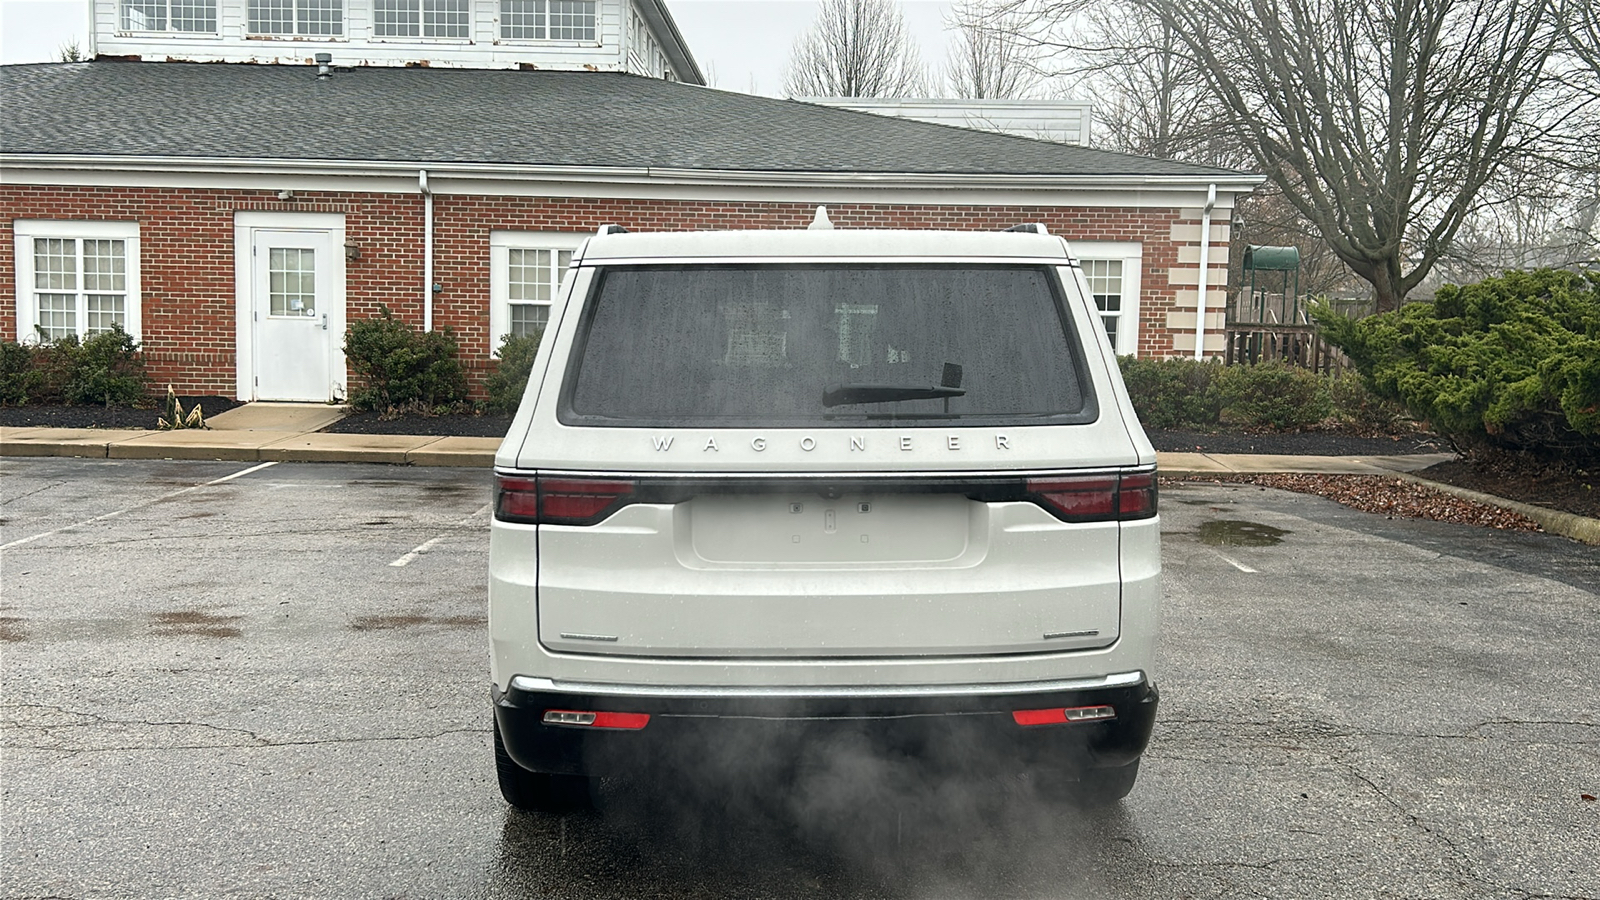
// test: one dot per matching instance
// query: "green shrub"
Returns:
(1511, 362)
(20, 381)
(506, 384)
(106, 368)
(1356, 406)
(1173, 393)
(1273, 395)
(402, 367)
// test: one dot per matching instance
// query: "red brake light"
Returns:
(1106, 497)
(540, 500)
(618, 720)
(1060, 716)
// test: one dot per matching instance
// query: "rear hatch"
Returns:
(828, 459)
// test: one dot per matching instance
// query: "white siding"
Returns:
(1051, 120)
(357, 46)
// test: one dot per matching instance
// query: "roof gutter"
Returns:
(511, 172)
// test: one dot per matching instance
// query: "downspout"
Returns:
(1205, 261)
(427, 250)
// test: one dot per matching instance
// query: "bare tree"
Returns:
(855, 48)
(1580, 27)
(1379, 121)
(989, 58)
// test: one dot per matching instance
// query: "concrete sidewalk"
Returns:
(288, 433)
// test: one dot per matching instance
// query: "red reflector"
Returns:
(1061, 715)
(620, 721)
(624, 721)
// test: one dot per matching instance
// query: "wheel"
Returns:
(537, 791)
(1102, 787)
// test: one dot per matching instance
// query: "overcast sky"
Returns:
(741, 45)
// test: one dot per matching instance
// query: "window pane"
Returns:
(319, 16)
(144, 15)
(106, 310)
(103, 266)
(55, 264)
(444, 18)
(528, 318)
(530, 277)
(272, 16)
(522, 20)
(397, 18)
(194, 16)
(58, 315)
(291, 275)
(723, 345)
(572, 20)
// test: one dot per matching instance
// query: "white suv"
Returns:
(820, 476)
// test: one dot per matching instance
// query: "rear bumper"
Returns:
(696, 725)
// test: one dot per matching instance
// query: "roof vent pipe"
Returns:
(324, 65)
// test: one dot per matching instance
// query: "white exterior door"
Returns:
(296, 307)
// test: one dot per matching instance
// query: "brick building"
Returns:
(235, 218)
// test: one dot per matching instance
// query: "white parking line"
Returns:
(1237, 565)
(128, 509)
(418, 551)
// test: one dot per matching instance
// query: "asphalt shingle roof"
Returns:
(533, 118)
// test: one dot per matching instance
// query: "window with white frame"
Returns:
(301, 18)
(189, 16)
(526, 271)
(1112, 271)
(421, 18)
(76, 278)
(552, 20)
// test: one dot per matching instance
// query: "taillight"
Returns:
(541, 500)
(1060, 716)
(1105, 497)
(618, 720)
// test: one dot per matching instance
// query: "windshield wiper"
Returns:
(840, 394)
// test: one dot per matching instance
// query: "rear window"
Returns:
(820, 345)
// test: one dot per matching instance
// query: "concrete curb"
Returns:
(1568, 525)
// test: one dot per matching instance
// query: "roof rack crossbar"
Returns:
(610, 229)
(1030, 228)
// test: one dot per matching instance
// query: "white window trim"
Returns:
(169, 31)
(1132, 257)
(28, 229)
(295, 35)
(598, 41)
(501, 243)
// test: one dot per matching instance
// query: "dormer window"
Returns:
(189, 16)
(421, 18)
(301, 18)
(547, 20)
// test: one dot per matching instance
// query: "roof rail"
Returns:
(610, 229)
(1030, 228)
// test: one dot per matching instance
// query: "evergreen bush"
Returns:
(508, 381)
(400, 367)
(1273, 395)
(1174, 393)
(1511, 362)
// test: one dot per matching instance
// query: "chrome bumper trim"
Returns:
(547, 685)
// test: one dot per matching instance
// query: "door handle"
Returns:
(324, 321)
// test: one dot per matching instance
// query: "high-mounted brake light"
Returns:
(1059, 716)
(1102, 497)
(540, 500)
(615, 720)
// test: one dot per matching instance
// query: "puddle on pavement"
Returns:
(1236, 533)
(391, 623)
(197, 623)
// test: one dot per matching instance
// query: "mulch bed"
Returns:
(486, 425)
(1567, 488)
(1385, 495)
(105, 416)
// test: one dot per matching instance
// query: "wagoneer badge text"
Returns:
(663, 443)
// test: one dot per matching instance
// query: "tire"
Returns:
(537, 791)
(1097, 788)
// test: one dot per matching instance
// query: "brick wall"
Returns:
(187, 274)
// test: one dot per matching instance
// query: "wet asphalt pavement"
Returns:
(275, 685)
